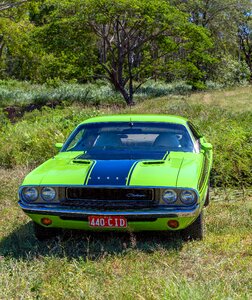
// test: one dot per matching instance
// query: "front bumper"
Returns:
(164, 212)
(137, 220)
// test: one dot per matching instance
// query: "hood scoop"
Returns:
(81, 161)
(154, 162)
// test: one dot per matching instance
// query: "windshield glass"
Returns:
(126, 140)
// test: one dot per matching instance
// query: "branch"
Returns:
(5, 6)
(141, 83)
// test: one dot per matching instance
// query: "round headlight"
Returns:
(188, 197)
(30, 194)
(48, 193)
(169, 196)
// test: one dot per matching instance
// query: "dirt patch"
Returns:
(14, 113)
(207, 98)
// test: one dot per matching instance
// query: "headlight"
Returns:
(169, 196)
(30, 194)
(48, 193)
(188, 197)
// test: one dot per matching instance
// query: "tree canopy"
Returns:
(126, 41)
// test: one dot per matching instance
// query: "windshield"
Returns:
(126, 140)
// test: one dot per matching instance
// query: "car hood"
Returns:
(178, 169)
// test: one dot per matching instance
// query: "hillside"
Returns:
(133, 266)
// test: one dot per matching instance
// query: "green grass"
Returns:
(228, 127)
(21, 94)
(133, 266)
(127, 266)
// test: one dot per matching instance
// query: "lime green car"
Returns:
(124, 173)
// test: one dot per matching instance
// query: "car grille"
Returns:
(109, 198)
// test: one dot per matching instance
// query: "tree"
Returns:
(5, 5)
(135, 38)
(223, 19)
(245, 40)
(13, 17)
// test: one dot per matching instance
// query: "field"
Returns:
(133, 266)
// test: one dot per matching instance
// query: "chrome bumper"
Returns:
(163, 212)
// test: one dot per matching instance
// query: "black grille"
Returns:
(109, 198)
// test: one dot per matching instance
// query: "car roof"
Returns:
(138, 118)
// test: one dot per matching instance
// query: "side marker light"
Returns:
(173, 223)
(46, 221)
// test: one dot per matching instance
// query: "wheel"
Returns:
(44, 233)
(207, 201)
(195, 231)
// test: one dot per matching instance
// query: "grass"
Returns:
(30, 140)
(21, 94)
(14, 93)
(133, 266)
(235, 99)
(127, 266)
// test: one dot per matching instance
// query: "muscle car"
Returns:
(123, 173)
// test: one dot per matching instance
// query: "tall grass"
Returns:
(30, 141)
(24, 93)
(132, 266)
(126, 266)
(54, 92)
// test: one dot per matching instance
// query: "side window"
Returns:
(196, 136)
(194, 131)
(75, 141)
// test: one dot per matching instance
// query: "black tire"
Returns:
(44, 233)
(195, 231)
(207, 201)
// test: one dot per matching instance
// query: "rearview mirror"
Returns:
(58, 146)
(206, 146)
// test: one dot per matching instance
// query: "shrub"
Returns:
(30, 141)
(158, 88)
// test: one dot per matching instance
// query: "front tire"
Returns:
(195, 231)
(207, 201)
(44, 233)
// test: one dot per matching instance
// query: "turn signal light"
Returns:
(46, 221)
(173, 223)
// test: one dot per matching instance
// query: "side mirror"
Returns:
(206, 146)
(58, 145)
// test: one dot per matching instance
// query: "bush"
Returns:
(55, 91)
(31, 141)
(230, 134)
(230, 71)
(158, 88)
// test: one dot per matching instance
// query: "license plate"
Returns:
(107, 221)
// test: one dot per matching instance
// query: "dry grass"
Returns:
(236, 99)
(135, 266)
(127, 266)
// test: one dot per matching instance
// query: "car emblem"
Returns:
(132, 195)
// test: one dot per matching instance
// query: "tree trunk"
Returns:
(121, 89)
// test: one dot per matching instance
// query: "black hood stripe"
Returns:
(110, 172)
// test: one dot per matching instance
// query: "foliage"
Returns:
(231, 72)
(128, 42)
(131, 265)
(55, 92)
(137, 37)
(30, 141)
(245, 39)
(5, 5)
